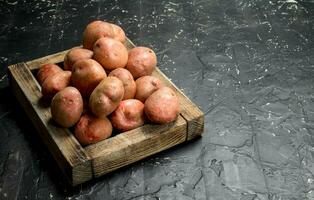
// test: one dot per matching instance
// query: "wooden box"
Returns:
(81, 164)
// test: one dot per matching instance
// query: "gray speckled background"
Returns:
(248, 64)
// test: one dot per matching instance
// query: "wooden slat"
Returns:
(68, 153)
(135, 145)
(53, 58)
(189, 110)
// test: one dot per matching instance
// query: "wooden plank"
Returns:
(189, 110)
(68, 153)
(134, 145)
(53, 58)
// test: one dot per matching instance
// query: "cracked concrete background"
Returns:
(248, 64)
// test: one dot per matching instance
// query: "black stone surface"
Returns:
(248, 64)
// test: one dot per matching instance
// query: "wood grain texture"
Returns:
(54, 58)
(134, 145)
(68, 153)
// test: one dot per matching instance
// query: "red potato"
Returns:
(118, 33)
(162, 106)
(106, 96)
(110, 53)
(67, 107)
(75, 55)
(128, 82)
(86, 75)
(94, 31)
(91, 129)
(47, 70)
(145, 86)
(129, 115)
(141, 62)
(55, 83)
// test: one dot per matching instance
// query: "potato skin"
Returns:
(162, 106)
(91, 129)
(141, 62)
(129, 115)
(67, 107)
(47, 70)
(128, 82)
(118, 33)
(55, 83)
(145, 86)
(94, 31)
(106, 96)
(110, 53)
(86, 75)
(75, 55)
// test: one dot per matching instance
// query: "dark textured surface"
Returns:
(248, 64)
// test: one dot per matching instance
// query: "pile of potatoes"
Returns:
(103, 86)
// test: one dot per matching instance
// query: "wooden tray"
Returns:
(81, 164)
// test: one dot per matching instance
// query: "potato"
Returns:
(129, 115)
(162, 106)
(145, 86)
(55, 83)
(128, 82)
(67, 107)
(86, 75)
(94, 31)
(91, 129)
(141, 62)
(47, 70)
(106, 96)
(74, 55)
(110, 53)
(118, 33)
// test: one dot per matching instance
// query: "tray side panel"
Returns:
(68, 153)
(134, 145)
(53, 58)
